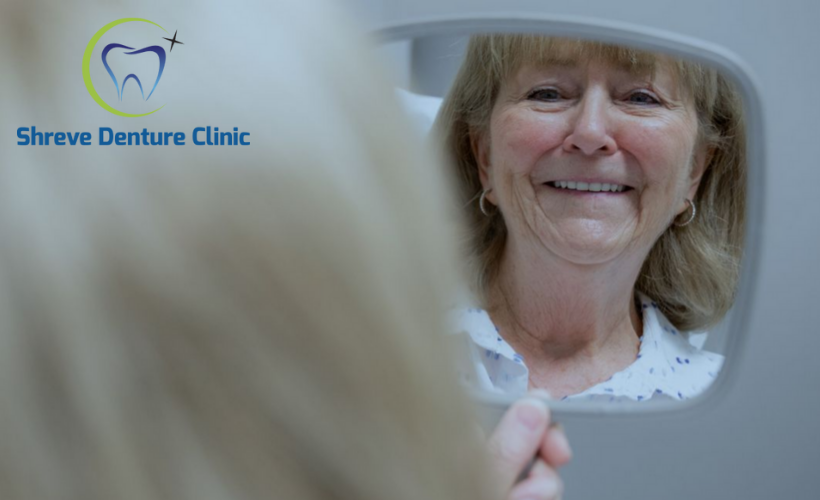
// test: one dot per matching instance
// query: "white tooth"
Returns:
(595, 186)
(563, 184)
(571, 185)
(619, 189)
(606, 187)
(582, 186)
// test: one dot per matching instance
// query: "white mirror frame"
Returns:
(492, 406)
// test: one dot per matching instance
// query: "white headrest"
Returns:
(422, 109)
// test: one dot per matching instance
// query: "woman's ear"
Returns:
(478, 144)
(700, 163)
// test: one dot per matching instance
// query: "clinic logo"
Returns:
(126, 83)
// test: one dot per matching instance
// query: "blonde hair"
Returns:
(692, 272)
(194, 322)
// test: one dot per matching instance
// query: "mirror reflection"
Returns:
(603, 189)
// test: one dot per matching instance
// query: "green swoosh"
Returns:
(89, 49)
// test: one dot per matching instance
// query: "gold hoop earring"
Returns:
(692, 216)
(481, 205)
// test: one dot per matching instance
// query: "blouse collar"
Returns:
(668, 365)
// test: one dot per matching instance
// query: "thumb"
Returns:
(516, 440)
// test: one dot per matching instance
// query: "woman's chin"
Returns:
(588, 245)
(587, 256)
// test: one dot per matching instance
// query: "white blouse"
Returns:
(670, 364)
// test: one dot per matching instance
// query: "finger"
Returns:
(540, 468)
(539, 394)
(516, 440)
(555, 449)
(543, 484)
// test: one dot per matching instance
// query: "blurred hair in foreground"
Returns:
(258, 322)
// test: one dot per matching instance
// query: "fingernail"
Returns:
(531, 413)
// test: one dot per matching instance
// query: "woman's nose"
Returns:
(590, 133)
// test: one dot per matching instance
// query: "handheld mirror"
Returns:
(610, 181)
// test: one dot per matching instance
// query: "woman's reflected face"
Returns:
(625, 141)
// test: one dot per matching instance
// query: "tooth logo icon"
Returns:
(125, 80)
(159, 51)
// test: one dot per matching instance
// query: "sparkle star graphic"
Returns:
(173, 41)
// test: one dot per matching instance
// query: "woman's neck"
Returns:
(575, 325)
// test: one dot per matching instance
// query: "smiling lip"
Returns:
(589, 187)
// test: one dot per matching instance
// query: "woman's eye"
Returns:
(545, 95)
(642, 98)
